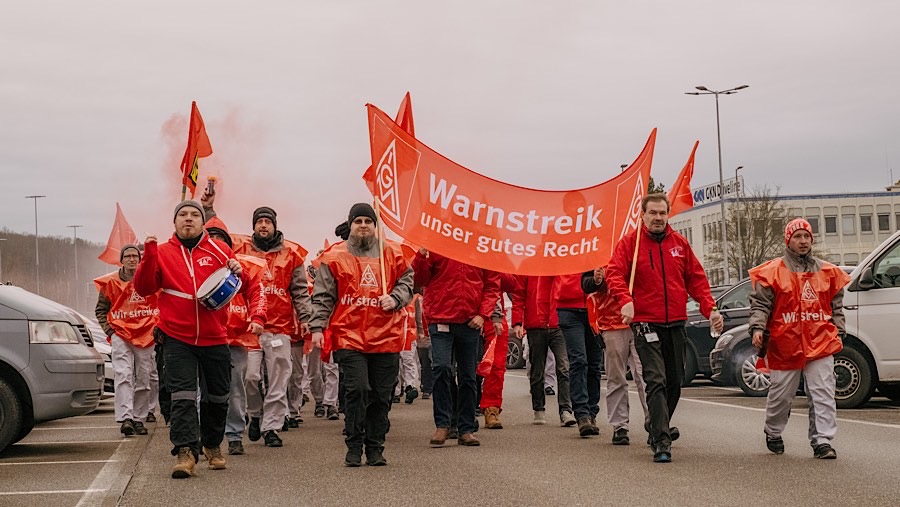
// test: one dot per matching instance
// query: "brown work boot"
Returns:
(492, 418)
(184, 464)
(439, 437)
(214, 458)
(468, 439)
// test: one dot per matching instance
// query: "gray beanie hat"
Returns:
(193, 204)
(128, 247)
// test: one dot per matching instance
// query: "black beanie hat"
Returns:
(221, 232)
(265, 212)
(129, 247)
(342, 231)
(362, 209)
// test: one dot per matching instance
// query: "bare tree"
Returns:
(654, 188)
(755, 231)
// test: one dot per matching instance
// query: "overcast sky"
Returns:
(94, 98)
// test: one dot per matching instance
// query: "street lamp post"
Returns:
(706, 91)
(37, 258)
(75, 244)
(740, 240)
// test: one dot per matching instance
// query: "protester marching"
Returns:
(241, 332)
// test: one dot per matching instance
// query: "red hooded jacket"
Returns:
(567, 292)
(178, 273)
(455, 292)
(531, 303)
(667, 271)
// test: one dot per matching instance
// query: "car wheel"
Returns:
(690, 366)
(515, 357)
(751, 380)
(853, 378)
(891, 391)
(10, 415)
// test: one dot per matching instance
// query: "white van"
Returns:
(872, 310)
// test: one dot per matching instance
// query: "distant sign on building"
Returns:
(714, 192)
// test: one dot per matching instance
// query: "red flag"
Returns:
(681, 197)
(404, 119)
(326, 245)
(122, 234)
(197, 147)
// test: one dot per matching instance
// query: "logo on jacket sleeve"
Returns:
(136, 298)
(809, 294)
(368, 278)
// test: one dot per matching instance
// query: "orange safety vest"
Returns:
(275, 280)
(800, 325)
(238, 324)
(130, 315)
(358, 322)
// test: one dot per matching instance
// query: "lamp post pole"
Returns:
(1, 262)
(37, 258)
(740, 239)
(75, 244)
(706, 91)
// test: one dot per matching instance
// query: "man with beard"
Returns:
(195, 336)
(359, 301)
(666, 272)
(285, 288)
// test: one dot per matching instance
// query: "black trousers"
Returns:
(663, 363)
(186, 366)
(425, 369)
(165, 398)
(368, 388)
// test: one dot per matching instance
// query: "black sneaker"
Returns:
(396, 399)
(320, 410)
(674, 433)
(824, 451)
(584, 427)
(127, 427)
(620, 437)
(332, 413)
(411, 394)
(548, 391)
(272, 439)
(139, 428)
(662, 454)
(293, 422)
(287, 424)
(151, 417)
(353, 458)
(235, 447)
(776, 444)
(305, 399)
(375, 458)
(253, 431)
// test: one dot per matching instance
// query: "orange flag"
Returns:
(197, 147)
(446, 208)
(326, 245)
(404, 120)
(122, 234)
(681, 197)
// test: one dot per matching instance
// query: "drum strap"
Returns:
(178, 293)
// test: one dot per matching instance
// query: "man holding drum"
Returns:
(194, 333)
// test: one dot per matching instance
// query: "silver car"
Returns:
(48, 366)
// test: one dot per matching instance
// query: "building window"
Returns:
(848, 225)
(830, 225)
(814, 223)
(865, 223)
(851, 259)
(884, 222)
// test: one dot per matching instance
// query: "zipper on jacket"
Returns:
(190, 266)
(662, 264)
(650, 253)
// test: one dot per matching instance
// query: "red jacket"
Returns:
(667, 271)
(567, 292)
(531, 303)
(455, 292)
(172, 269)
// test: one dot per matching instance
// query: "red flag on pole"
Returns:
(404, 119)
(681, 197)
(122, 234)
(197, 147)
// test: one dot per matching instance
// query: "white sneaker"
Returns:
(566, 419)
(539, 417)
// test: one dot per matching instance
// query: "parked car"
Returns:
(733, 303)
(48, 366)
(515, 358)
(102, 345)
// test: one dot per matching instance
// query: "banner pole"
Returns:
(378, 228)
(637, 246)
(183, 191)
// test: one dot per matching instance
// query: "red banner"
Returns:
(433, 202)
(680, 197)
(122, 234)
(197, 147)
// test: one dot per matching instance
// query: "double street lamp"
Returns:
(740, 241)
(706, 91)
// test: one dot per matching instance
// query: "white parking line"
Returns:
(104, 479)
(56, 428)
(78, 442)
(12, 463)
(799, 413)
(50, 492)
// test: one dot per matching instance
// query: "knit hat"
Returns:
(794, 226)
(265, 212)
(217, 226)
(193, 204)
(362, 209)
(128, 247)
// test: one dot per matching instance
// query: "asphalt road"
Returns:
(720, 459)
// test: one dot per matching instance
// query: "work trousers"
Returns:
(275, 350)
(492, 387)
(368, 383)
(819, 386)
(236, 420)
(133, 367)
(585, 354)
(621, 355)
(663, 364)
(541, 341)
(461, 342)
